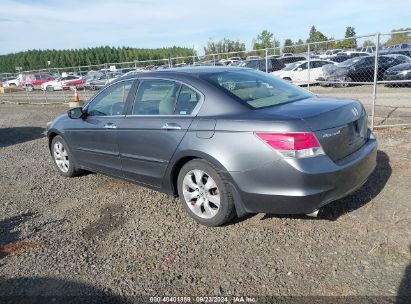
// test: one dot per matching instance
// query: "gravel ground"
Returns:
(95, 234)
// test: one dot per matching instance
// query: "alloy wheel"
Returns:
(61, 157)
(201, 194)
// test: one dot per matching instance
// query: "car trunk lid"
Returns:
(340, 125)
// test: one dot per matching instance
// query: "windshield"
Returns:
(290, 66)
(349, 62)
(256, 89)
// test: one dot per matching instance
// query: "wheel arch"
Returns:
(180, 160)
(51, 134)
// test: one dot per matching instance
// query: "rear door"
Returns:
(316, 70)
(151, 132)
(364, 70)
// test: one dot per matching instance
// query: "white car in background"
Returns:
(12, 82)
(329, 53)
(62, 83)
(353, 54)
(297, 72)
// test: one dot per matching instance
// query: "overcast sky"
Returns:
(41, 24)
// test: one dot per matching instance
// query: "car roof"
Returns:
(194, 71)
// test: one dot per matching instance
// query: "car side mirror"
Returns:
(299, 69)
(76, 113)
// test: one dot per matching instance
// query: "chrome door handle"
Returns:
(171, 126)
(110, 126)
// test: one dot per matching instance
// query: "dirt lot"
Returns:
(97, 235)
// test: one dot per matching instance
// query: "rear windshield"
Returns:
(256, 89)
(350, 62)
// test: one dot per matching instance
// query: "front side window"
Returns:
(164, 97)
(255, 89)
(291, 66)
(111, 101)
(304, 66)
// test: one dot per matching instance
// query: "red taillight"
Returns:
(293, 144)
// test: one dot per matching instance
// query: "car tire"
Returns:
(209, 202)
(29, 88)
(63, 158)
(49, 88)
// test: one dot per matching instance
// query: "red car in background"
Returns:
(34, 81)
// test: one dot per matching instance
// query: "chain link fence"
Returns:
(365, 68)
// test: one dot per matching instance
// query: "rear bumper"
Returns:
(303, 185)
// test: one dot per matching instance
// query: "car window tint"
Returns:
(367, 60)
(252, 64)
(316, 64)
(111, 101)
(255, 89)
(156, 97)
(187, 101)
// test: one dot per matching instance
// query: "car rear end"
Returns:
(326, 161)
(301, 151)
(398, 72)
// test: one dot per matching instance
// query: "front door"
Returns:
(93, 140)
(149, 135)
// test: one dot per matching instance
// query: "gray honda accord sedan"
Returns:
(227, 141)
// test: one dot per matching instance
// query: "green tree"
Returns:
(265, 40)
(368, 42)
(224, 46)
(400, 37)
(300, 46)
(349, 42)
(315, 38)
(37, 59)
(288, 46)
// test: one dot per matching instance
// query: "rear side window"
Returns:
(255, 89)
(155, 97)
(318, 64)
(187, 101)
(164, 97)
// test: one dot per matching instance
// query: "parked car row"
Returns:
(360, 68)
(335, 66)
